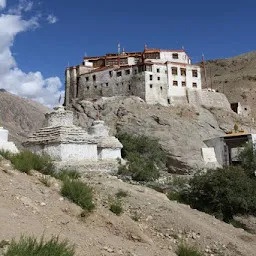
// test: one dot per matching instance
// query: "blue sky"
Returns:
(218, 29)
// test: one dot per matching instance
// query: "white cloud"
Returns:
(30, 85)
(23, 6)
(52, 19)
(2, 4)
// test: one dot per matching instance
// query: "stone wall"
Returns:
(108, 83)
(208, 99)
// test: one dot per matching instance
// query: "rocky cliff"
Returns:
(181, 130)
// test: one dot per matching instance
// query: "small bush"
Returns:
(185, 250)
(121, 193)
(116, 207)
(144, 156)
(71, 174)
(45, 180)
(6, 154)
(174, 196)
(25, 161)
(29, 246)
(224, 192)
(79, 193)
(248, 159)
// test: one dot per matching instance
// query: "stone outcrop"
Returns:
(181, 130)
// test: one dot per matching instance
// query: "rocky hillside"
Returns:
(180, 129)
(236, 78)
(150, 224)
(20, 116)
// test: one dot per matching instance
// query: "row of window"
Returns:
(175, 83)
(183, 72)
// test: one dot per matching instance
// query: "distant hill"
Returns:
(20, 116)
(236, 78)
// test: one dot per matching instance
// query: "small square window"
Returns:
(175, 56)
(183, 84)
(107, 84)
(158, 78)
(175, 83)
(161, 88)
(169, 101)
(88, 87)
(151, 85)
(194, 85)
(95, 86)
(94, 77)
(151, 77)
(127, 72)
(158, 70)
(117, 84)
(194, 73)
(174, 71)
(119, 73)
(87, 79)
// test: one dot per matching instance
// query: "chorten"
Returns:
(4, 143)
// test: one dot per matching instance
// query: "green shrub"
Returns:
(116, 207)
(174, 196)
(29, 246)
(185, 250)
(71, 174)
(248, 159)
(121, 193)
(144, 156)
(25, 161)
(224, 192)
(79, 193)
(6, 154)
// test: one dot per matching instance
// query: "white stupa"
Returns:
(5, 144)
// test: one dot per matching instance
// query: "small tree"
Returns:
(248, 159)
(223, 192)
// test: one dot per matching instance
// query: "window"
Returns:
(122, 83)
(194, 85)
(110, 73)
(174, 71)
(158, 78)
(95, 86)
(183, 84)
(150, 77)
(161, 88)
(183, 71)
(127, 72)
(116, 84)
(88, 87)
(129, 87)
(94, 78)
(151, 85)
(169, 101)
(107, 84)
(119, 73)
(194, 73)
(87, 79)
(158, 70)
(175, 56)
(175, 83)
(135, 72)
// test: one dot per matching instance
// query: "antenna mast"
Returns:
(204, 70)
